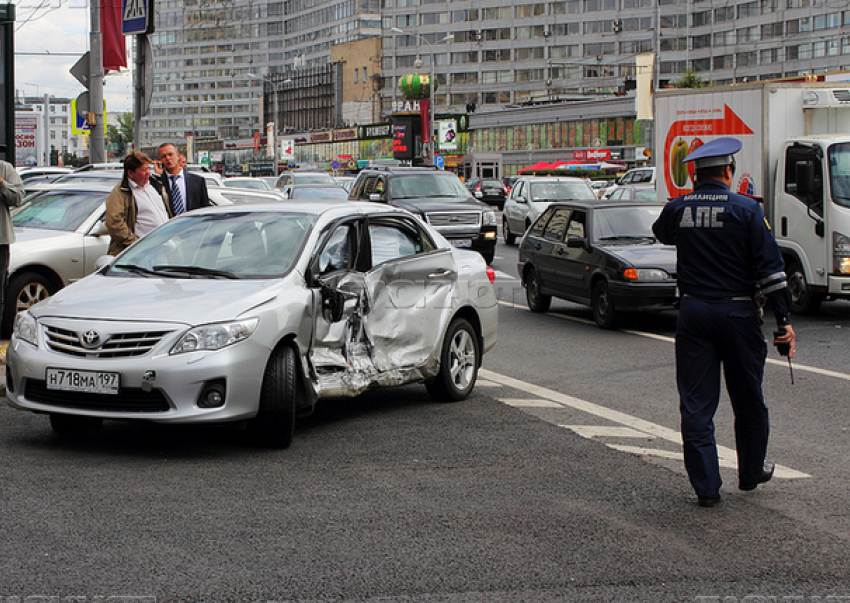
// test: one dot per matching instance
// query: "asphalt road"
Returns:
(558, 480)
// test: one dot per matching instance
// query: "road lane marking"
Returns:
(784, 363)
(639, 428)
(530, 403)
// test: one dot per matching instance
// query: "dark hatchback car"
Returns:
(491, 191)
(599, 254)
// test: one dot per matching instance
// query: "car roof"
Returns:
(604, 203)
(552, 178)
(331, 207)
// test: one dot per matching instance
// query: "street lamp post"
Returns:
(431, 146)
(276, 88)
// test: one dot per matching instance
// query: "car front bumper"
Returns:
(155, 386)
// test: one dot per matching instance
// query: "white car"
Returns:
(642, 175)
(253, 313)
(531, 195)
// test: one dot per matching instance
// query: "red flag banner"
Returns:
(114, 45)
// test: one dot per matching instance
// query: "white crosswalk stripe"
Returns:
(621, 426)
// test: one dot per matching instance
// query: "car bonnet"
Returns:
(189, 301)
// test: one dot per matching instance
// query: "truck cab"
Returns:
(812, 218)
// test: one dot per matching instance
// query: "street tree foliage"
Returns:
(691, 80)
(123, 132)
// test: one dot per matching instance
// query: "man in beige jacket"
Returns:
(136, 205)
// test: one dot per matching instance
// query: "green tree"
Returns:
(691, 80)
(123, 132)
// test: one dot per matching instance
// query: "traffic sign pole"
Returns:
(97, 140)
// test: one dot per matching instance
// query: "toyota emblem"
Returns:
(90, 339)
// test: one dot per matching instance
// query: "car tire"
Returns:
(73, 424)
(510, 238)
(23, 291)
(604, 312)
(803, 299)
(537, 301)
(460, 358)
(274, 425)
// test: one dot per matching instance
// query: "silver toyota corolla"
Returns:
(255, 313)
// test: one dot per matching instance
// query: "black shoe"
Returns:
(709, 500)
(766, 474)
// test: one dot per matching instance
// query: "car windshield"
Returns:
(247, 183)
(58, 210)
(418, 186)
(624, 224)
(561, 191)
(317, 178)
(318, 192)
(222, 245)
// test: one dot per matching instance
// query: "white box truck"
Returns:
(795, 156)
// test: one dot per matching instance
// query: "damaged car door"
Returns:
(383, 298)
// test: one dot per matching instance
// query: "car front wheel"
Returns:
(604, 312)
(274, 425)
(460, 358)
(24, 291)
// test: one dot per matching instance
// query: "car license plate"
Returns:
(461, 242)
(94, 382)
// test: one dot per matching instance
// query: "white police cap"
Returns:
(715, 153)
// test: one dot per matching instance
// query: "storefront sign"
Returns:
(345, 134)
(592, 155)
(374, 131)
(320, 137)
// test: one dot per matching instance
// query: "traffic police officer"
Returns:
(726, 256)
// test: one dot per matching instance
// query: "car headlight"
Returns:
(215, 336)
(646, 274)
(489, 218)
(840, 253)
(25, 328)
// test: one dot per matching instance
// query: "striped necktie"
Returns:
(177, 200)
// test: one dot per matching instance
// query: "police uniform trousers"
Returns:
(710, 333)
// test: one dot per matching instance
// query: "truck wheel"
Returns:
(803, 299)
(604, 312)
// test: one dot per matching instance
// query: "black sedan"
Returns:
(491, 191)
(603, 255)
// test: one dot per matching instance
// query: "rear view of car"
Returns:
(492, 192)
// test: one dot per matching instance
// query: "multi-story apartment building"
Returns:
(213, 57)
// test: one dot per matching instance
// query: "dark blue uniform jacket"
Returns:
(724, 247)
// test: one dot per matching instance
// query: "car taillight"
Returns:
(491, 274)
(478, 187)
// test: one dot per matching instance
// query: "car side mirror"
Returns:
(577, 243)
(520, 199)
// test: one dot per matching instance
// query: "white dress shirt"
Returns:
(150, 211)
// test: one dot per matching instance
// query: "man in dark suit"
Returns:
(186, 191)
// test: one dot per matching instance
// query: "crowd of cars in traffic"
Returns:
(300, 287)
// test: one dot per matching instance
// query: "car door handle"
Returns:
(443, 273)
(561, 251)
